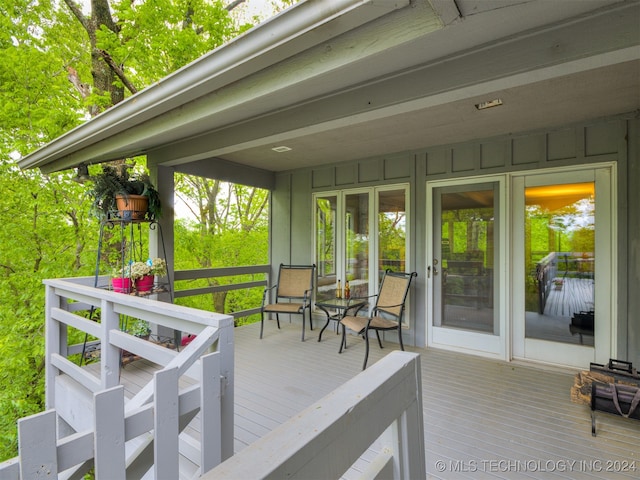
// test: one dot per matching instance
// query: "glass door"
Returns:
(358, 235)
(562, 267)
(464, 274)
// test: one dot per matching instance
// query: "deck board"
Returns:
(477, 412)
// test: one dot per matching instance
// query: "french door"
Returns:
(359, 233)
(466, 274)
(544, 291)
(563, 266)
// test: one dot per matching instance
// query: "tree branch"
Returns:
(233, 5)
(118, 71)
(77, 12)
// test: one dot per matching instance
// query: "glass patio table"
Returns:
(340, 307)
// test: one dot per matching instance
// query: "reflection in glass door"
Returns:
(560, 260)
(357, 243)
(326, 245)
(466, 259)
(563, 266)
(392, 231)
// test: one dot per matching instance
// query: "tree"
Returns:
(58, 66)
(231, 230)
(141, 42)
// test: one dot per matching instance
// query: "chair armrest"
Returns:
(264, 294)
(359, 307)
(308, 295)
(355, 312)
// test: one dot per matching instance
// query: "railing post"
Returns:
(109, 354)
(166, 424)
(108, 438)
(404, 438)
(226, 348)
(210, 412)
(53, 343)
(37, 446)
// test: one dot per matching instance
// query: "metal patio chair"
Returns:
(293, 294)
(387, 313)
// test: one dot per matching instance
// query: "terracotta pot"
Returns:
(132, 207)
(145, 284)
(121, 284)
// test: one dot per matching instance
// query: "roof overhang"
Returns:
(338, 81)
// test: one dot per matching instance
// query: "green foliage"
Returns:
(195, 249)
(46, 85)
(46, 234)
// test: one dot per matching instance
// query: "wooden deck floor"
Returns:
(482, 418)
(576, 295)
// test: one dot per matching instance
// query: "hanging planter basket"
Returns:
(132, 207)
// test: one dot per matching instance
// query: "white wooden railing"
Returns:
(379, 409)
(89, 422)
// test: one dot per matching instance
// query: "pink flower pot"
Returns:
(121, 285)
(145, 284)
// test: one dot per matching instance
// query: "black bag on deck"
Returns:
(616, 398)
(618, 369)
(621, 396)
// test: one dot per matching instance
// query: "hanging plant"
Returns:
(114, 182)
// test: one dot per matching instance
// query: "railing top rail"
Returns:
(198, 273)
(79, 290)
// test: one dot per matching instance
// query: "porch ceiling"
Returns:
(392, 79)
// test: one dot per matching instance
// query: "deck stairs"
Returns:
(94, 424)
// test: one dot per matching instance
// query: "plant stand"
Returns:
(130, 234)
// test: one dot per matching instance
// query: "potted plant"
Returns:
(139, 275)
(140, 329)
(128, 196)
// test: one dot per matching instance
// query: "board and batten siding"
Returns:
(605, 140)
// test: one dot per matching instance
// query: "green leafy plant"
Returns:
(140, 328)
(113, 181)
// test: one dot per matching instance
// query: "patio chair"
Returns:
(387, 313)
(293, 294)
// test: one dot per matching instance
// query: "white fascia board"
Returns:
(302, 26)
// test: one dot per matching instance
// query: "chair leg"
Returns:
(278, 320)
(379, 341)
(343, 342)
(261, 323)
(303, 322)
(400, 337)
(366, 350)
